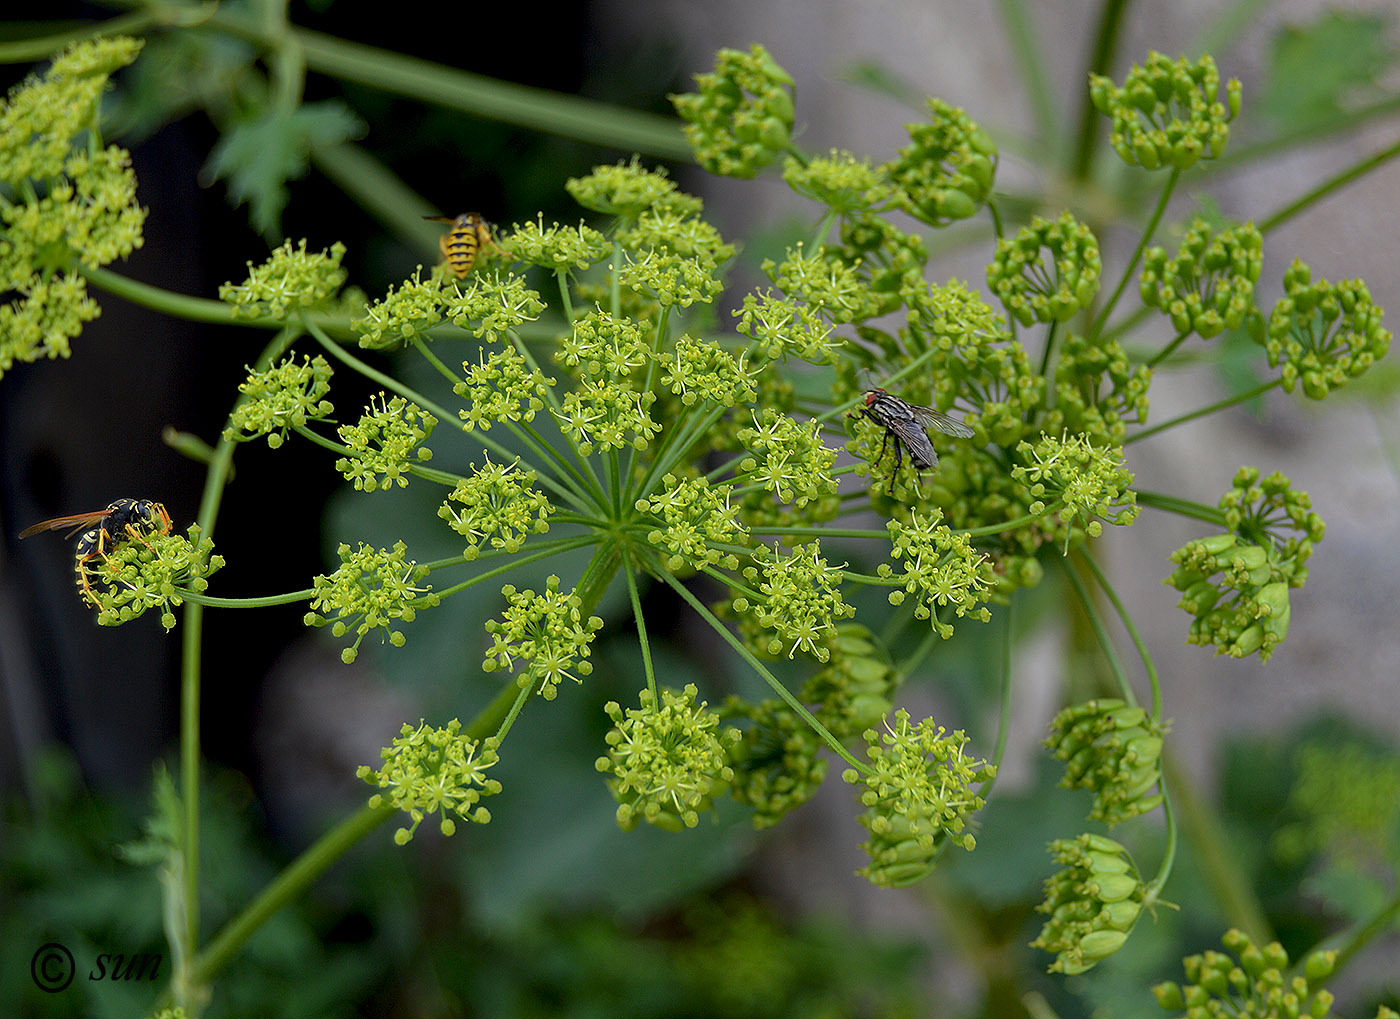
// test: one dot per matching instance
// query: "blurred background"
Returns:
(550, 909)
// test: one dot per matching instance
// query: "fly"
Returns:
(907, 424)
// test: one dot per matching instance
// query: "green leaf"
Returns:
(1317, 70)
(259, 155)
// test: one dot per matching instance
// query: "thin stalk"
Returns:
(1120, 677)
(636, 599)
(1101, 319)
(1035, 82)
(1148, 665)
(1331, 184)
(1181, 507)
(1362, 935)
(1008, 640)
(1259, 390)
(1167, 351)
(518, 560)
(1100, 62)
(263, 602)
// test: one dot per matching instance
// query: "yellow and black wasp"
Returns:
(460, 245)
(906, 424)
(105, 529)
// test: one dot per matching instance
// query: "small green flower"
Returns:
(919, 795)
(701, 370)
(1098, 391)
(46, 315)
(385, 443)
(888, 261)
(403, 314)
(285, 396)
(667, 763)
(679, 232)
(781, 326)
(940, 568)
(1093, 903)
(831, 287)
(626, 190)
(502, 387)
(1324, 334)
(558, 248)
(428, 770)
(1253, 983)
(741, 117)
(697, 517)
(1048, 271)
(780, 762)
(1209, 286)
(368, 591)
(672, 278)
(499, 508)
(546, 631)
(798, 600)
(148, 573)
(840, 181)
(600, 344)
(601, 414)
(492, 305)
(946, 171)
(1091, 483)
(788, 458)
(1167, 112)
(292, 279)
(1114, 749)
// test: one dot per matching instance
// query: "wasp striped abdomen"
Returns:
(460, 245)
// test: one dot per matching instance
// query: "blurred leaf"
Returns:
(259, 155)
(1316, 70)
(178, 73)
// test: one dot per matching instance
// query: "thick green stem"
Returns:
(1100, 62)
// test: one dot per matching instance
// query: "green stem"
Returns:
(1120, 677)
(1230, 401)
(647, 667)
(263, 602)
(1167, 351)
(1008, 641)
(1359, 937)
(1102, 318)
(1333, 183)
(1164, 871)
(62, 35)
(518, 560)
(1100, 62)
(1148, 665)
(1181, 507)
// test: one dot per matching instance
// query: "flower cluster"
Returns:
(918, 795)
(406, 312)
(1246, 610)
(499, 508)
(492, 305)
(888, 262)
(1250, 983)
(147, 572)
(602, 346)
(778, 764)
(1167, 112)
(1113, 749)
(64, 204)
(556, 248)
(1324, 334)
(940, 568)
(1098, 391)
(702, 370)
(796, 600)
(428, 770)
(831, 287)
(370, 590)
(667, 762)
(599, 413)
(852, 693)
(285, 396)
(546, 631)
(946, 171)
(742, 116)
(787, 458)
(501, 387)
(292, 279)
(700, 524)
(781, 326)
(626, 190)
(1209, 286)
(1093, 903)
(1048, 271)
(840, 181)
(1089, 484)
(385, 444)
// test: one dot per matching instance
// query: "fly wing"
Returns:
(910, 432)
(937, 419)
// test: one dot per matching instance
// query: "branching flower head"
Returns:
(372, 589)
(839, 181)
(404, 313)
(788, 458)
(626, 190)
(779, 763)
(1048, 271)
(1209, 286)
(1168, 112)
(492, 305)
(291, 280)
(558, 248)
(600, 414)
(434, 771)
(946, 171)
(918, 794)
(1091, 484)
(1093, 903)
(799, 600)
(547, 632)
(940, 568)
(670, 277)
(699, 524)
(829, 286)
(148, 572)
(1115, 750)
(667, 762)
(701, 370)
(285, 396)
(501, 387)
(385, 443)
(1250, 982)
(1098, 391)
(780, 326)
(1324, 334)
(499, 509)
(742, 116)
(602, 345)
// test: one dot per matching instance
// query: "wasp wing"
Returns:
(77, 521)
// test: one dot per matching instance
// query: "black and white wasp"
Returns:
(906, 424)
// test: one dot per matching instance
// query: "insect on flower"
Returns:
(906, 424)
(460, 245)
(103, 530)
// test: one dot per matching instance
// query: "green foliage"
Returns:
(1317, 71)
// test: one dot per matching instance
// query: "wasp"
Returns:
(105, 529)
(906, 424)
(460, 245)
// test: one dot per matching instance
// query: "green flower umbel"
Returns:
(283, 397)
(545, 631)
(946, 171)
(1168, 112)
(1209, 286)
(1093, 903)
(371, 590)
(1048, 271)
(1113, 748)
(148, 572)
(431, 771)
(1253, 983)
(742, 116)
